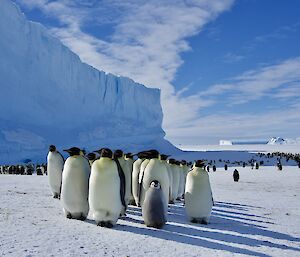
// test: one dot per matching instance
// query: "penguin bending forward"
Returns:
(105, 197)
(154, 209)
(55, 165)
(75, 185)
(198, 195)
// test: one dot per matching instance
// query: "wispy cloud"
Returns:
(256, 84)
(232, 58)
(147, 40)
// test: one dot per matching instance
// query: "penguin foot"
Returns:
(193, 220)
(204, 222)
(178, 198)
(108, 224)
(69, 216)
(171, 202)
(101, 224)
(82, 217)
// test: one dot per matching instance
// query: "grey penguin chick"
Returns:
(154, 211)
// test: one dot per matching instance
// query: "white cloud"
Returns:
(256, 84)
(147, 40)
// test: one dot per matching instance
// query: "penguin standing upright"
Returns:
(236, 175)
(75, 185)
(135, 177)
(128, 178)
(176, 179)
(155, 170)
(198, 194)
(154, 210)
(55, 165)
(141, 176)
(182, 172)
(124, 174)
(164, 161)
(105, 196)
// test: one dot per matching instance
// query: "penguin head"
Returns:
(73, 151)
(172, 161)
(153, 154)
(183, 162)
(155, 184)
(118, 153)
(52, 148)
(177, 163)
(164, 157)
(199, 163)
(129, 155)
(105, 152)
(91, 156)
(142, 155)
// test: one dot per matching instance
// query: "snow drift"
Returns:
(49, 96)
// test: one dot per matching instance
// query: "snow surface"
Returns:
(258, 216)
(50, 97)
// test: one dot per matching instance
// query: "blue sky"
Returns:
(227, 69)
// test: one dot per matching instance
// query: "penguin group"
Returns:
(103, 183)
(23, 169)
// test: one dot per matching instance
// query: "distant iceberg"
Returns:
(276, 141)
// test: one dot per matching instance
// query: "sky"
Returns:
(226, 69)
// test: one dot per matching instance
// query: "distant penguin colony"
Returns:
(103, 183)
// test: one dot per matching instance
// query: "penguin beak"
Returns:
(67, 150)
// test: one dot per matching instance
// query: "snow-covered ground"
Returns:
(258, 216)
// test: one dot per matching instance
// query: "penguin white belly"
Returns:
(156, 170)
(140, 181)
(55, 164)
(75, 182)
(198, 197)
(104, 191)
(176, 179)
(135, 179)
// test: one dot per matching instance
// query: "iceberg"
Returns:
(49, 96)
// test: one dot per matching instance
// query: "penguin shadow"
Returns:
(180, 230)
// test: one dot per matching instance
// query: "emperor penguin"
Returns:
(155, 170)
(154, 210)
(123, 173)
(91, 157)
(104, 190)
(185, 170)
(135, 176)
(55, 166)
(198, 194)
(75, 185)
(176, 178)
(128, 177)
(170, 174)
(182, 175)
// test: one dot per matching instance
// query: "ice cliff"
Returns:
(48, 96)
